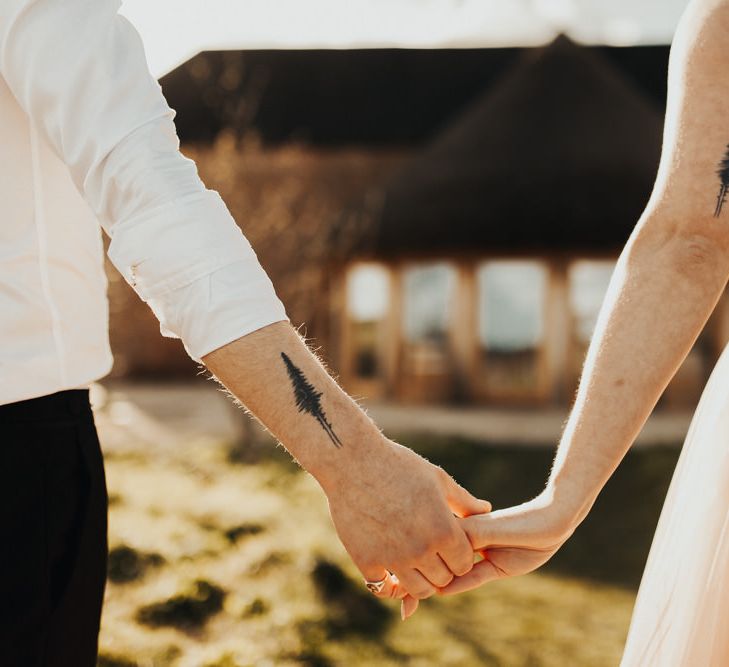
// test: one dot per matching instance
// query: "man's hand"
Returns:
(396, 512)
(512, 541)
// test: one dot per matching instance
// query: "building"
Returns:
(500, 184)
(486, 258)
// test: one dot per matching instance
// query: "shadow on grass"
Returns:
(612, 544)
(351, 608)
(126, 564)
(188, 610)
(350, 611)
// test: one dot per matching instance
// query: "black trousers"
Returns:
(53, 532)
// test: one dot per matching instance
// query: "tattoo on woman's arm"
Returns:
(308, 399)
(723, 173)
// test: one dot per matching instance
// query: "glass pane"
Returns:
(588, 283)
(428, 292)
(368, 292)
(511, 305)
(368, 300)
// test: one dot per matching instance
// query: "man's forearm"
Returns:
(274, 374)
(393, 510)
(661, 295)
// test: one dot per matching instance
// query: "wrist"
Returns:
(363, 450)
(569, 503)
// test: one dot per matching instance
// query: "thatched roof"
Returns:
(373, 97)
(560, 153)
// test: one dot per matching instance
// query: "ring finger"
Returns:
(388, 587)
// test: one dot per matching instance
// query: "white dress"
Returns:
(681, 616)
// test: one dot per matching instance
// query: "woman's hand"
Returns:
(512, 541)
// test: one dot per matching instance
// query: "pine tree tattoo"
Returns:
(308, 398)
(723, 173)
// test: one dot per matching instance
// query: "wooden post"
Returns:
(463, 333)
(557, 333)
(392, 332)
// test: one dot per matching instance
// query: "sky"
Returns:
(175, 30)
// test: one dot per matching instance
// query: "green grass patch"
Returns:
(293, 598)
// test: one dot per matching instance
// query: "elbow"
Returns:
(695, 249)
(698, 250)
(701, 259)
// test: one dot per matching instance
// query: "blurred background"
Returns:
(439, 190)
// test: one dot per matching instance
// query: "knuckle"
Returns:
(458, 542)
(462, 563)
(461, 560)
(461, 568)
(461, 535)
(445, 580)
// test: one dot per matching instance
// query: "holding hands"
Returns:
(408, 526)
(512, 541)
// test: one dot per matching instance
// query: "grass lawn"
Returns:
(223, 556)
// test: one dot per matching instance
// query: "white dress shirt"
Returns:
(87, 137)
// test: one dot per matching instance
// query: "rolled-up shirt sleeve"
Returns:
(78, 69)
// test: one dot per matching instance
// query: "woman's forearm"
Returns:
(666, 284)
(667, 281)
(668, 278)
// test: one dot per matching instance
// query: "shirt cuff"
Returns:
(177, 243)
(218, 308)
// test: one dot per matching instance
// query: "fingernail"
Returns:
(402, 610)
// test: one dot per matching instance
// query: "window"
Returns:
(368, 292)
(428, 294)
(511, 305)
(368, 300)
(511, 314)
(588, 283)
